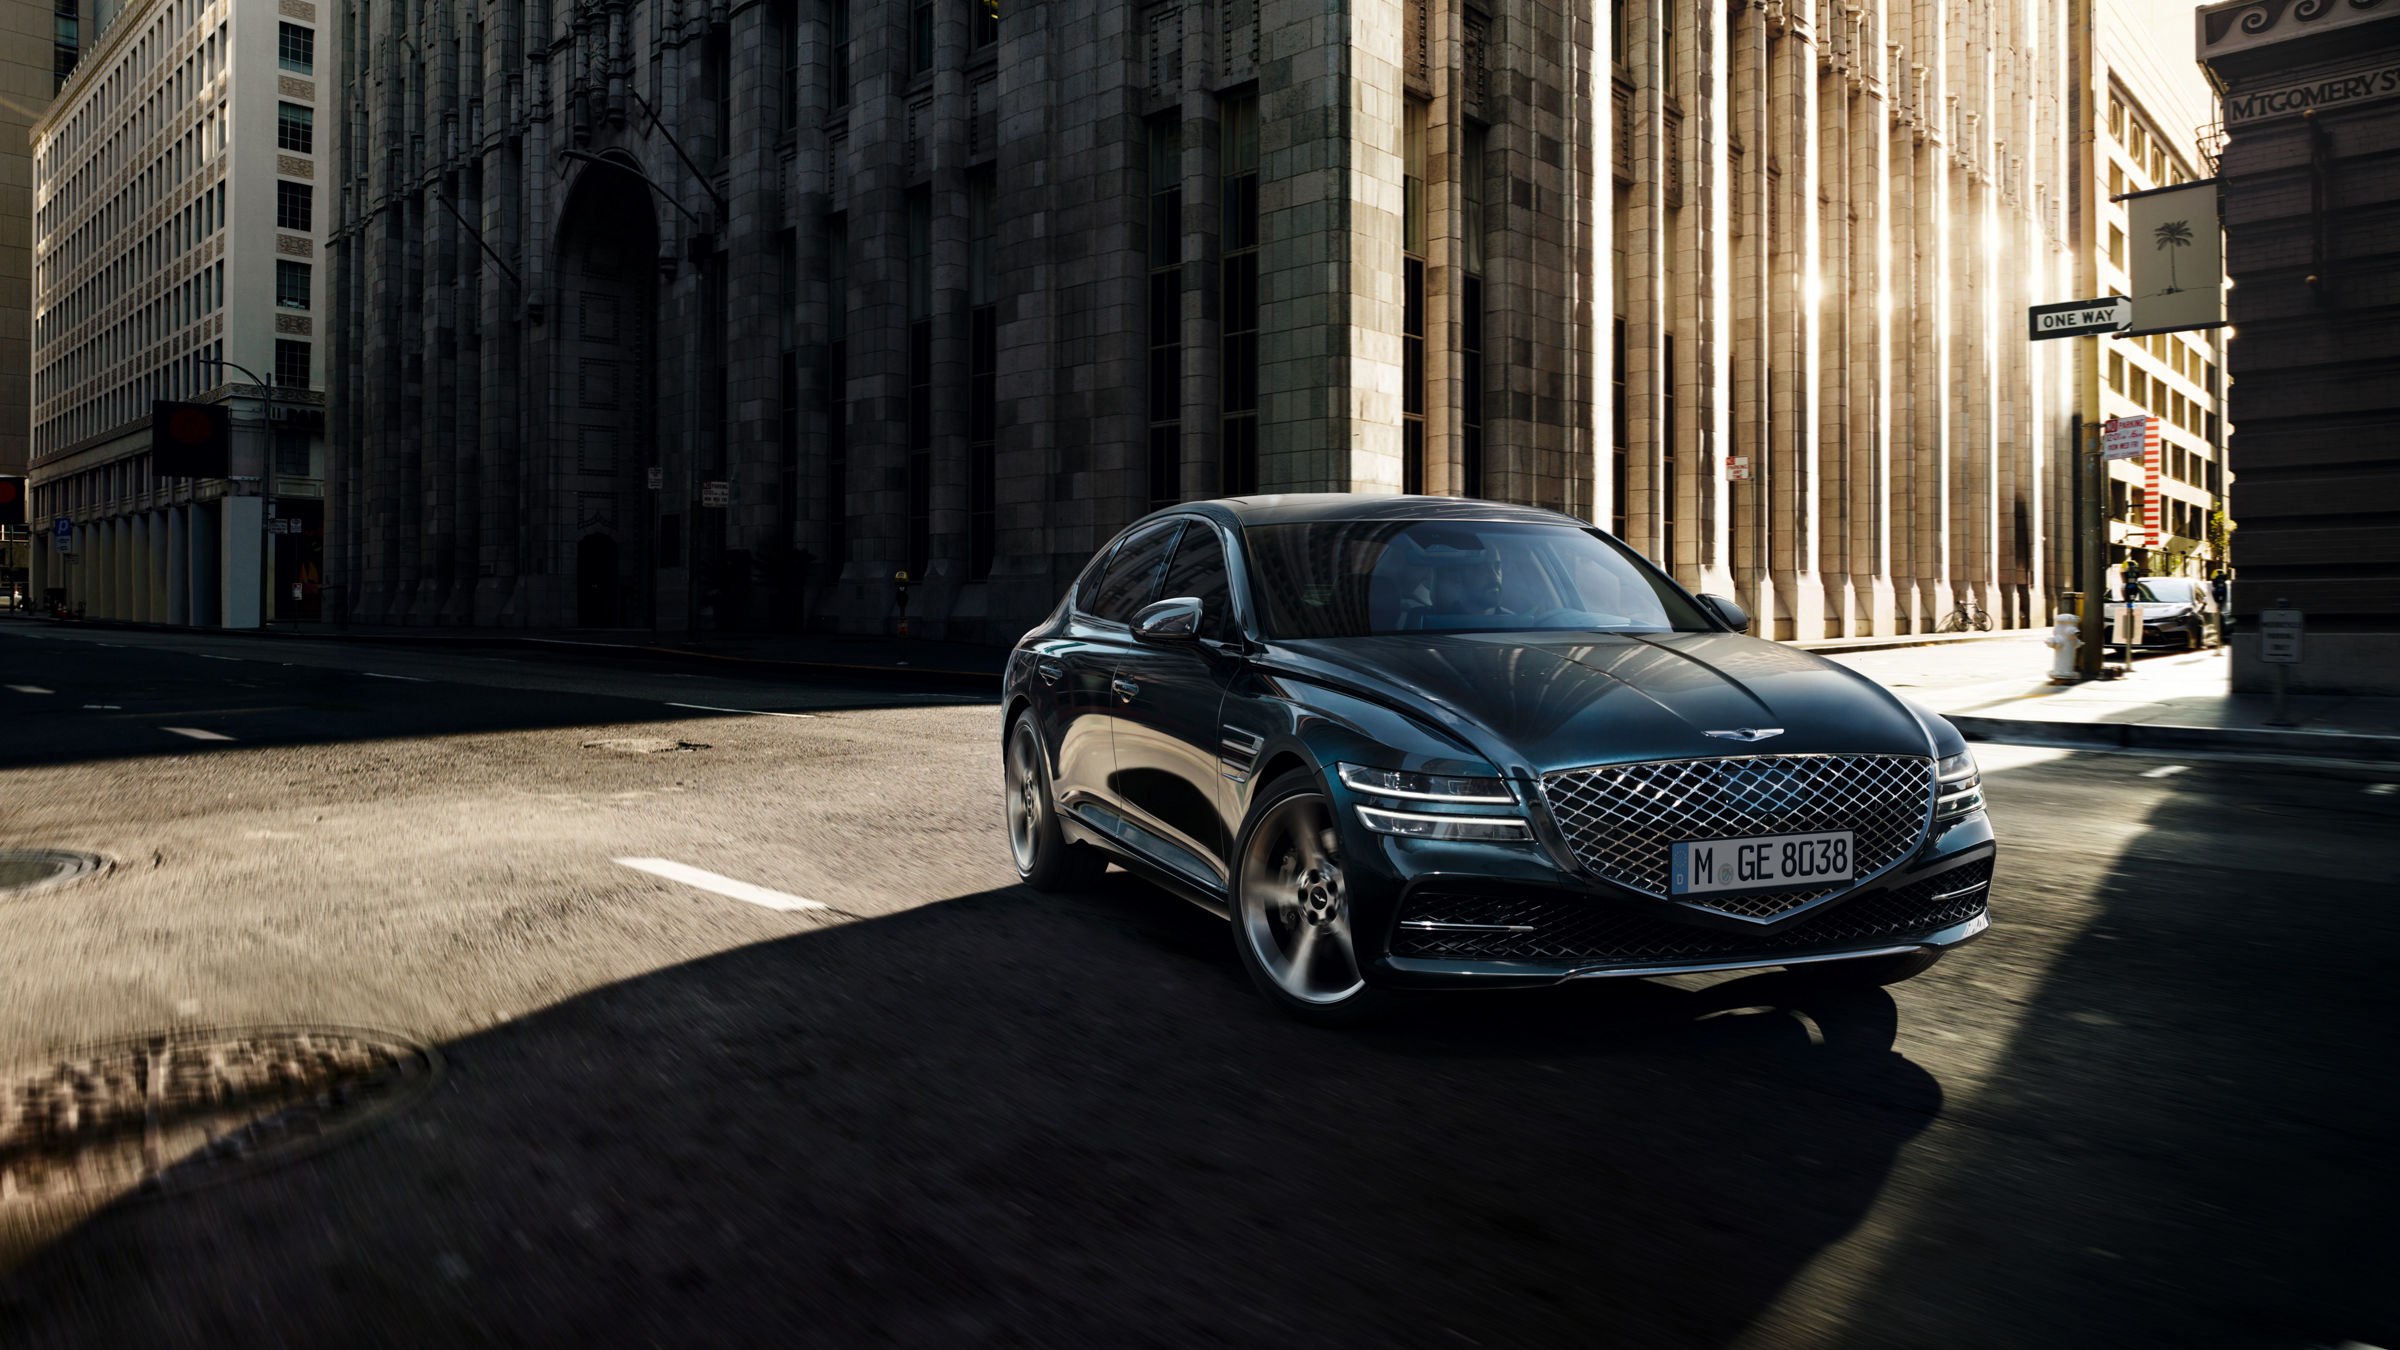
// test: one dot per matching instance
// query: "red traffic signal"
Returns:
(12, 500)
(190, 440)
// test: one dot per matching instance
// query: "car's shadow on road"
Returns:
(1006, 1119)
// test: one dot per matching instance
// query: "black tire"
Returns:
(1952, 622)
(1869, 971)
(1044, 858)
(1983, 621)
(1286, 882)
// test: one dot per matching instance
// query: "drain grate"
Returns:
(174, 1111)
(23, 870)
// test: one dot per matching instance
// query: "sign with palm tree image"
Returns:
(2173, 234)
(2178, 281)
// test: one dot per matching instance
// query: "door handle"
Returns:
(1050, 671)
(1124, 687)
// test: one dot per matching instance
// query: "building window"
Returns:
(841, 52)
(1667, 479)
(983, 23)
(1616, 436)
(983, 371)
(920, 36)
(295, 206)
(1238, 314)
(1166, 310)
(296, 49)
(787, 34)
(66, 43)
(295, 129)
(920, 381)
(2116, 248)
(1470, 326)
(291, 284)
(837, 385)
(1412, 298)
(291, 364)
(291, 453)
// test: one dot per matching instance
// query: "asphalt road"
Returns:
(2154, 1107)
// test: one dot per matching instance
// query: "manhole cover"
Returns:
(39, 869)
(170, 1112)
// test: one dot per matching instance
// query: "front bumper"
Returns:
(1452, 932)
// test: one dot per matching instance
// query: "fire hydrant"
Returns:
(2066, 635)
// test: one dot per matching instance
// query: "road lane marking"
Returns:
(2165, 771)
(206, 657)
(31, 689)
(754, 712)
(725, 886)
(197, 734)
(104, 707)
(378, 675)
(2383, 789)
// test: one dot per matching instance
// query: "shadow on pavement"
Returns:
(2188, 1138)
(107, 700)
(1011, 1120)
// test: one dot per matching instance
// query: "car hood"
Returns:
(1542, 701)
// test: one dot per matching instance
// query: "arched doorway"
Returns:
(604, 345)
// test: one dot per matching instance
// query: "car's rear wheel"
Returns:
(1044, 857)
(1869, 971)
(1292, 923)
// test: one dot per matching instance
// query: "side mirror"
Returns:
(1175, 620)
(1729, 613)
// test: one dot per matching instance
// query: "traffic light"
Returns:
(12, 500)
(190, 440)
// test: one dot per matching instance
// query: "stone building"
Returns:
(692, 314)
(2311, 102)
(176, 233)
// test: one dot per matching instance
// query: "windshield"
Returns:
(2164, 590)
(1362, 578)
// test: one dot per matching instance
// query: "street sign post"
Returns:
(2079, 318)
(716, 494)
(2127, 437)
(1737, 468)
(2279, 646)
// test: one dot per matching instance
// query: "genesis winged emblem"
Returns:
(1745, 733)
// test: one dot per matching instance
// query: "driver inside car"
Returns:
(1469, 588)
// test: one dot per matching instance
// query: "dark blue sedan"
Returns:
(1415, 743)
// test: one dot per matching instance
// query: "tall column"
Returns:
(179, 565)
(207, 552)
(137, 569)
(240, 584)
(161, 556)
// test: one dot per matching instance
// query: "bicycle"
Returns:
(1966, 616)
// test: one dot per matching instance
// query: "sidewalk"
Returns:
(2168, 702)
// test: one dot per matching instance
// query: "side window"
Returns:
(1199, 570)
(1133, 574)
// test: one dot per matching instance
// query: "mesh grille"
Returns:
(1623, 821)
(1572, 928)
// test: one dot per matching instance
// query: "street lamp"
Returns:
(266, 425)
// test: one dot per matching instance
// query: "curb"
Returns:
(2153, 736)
(1844, 646)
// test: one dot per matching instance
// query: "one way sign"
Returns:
(2078, 317)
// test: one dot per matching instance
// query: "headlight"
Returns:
(1426, 787)
(1959, 790)
(1409, 825)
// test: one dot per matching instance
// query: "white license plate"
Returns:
(1706, 866)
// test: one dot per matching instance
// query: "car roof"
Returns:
(1297, 508)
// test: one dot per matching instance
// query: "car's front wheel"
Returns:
(1292, 921)
(1044, 857)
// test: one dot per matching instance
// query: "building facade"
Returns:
(177, 232)
(2311, 105)
(686, 314)
(2149, 110)
(39, 43)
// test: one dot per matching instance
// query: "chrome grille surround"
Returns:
(1622, 821)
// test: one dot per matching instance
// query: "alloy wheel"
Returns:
(1295, 913)
(1021, 797)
